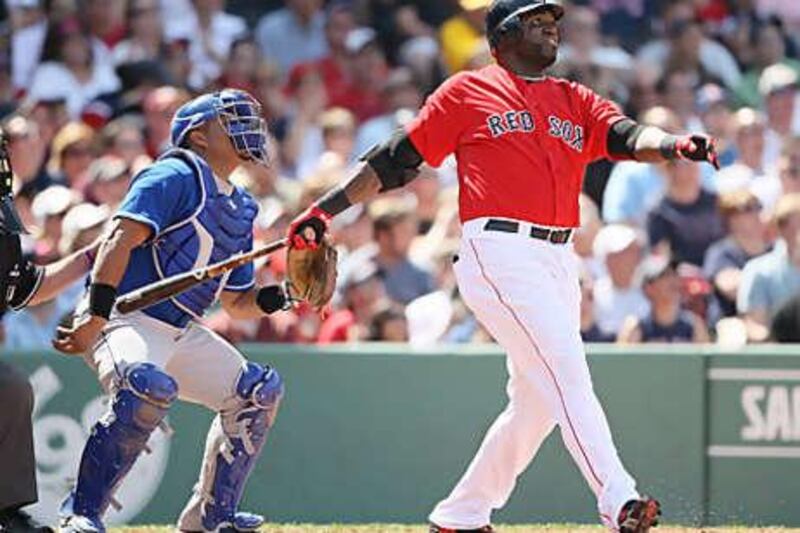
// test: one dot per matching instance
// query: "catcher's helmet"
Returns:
(240, 116)
(503, 17)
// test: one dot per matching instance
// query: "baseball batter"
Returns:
(522, 141)
(179, 214)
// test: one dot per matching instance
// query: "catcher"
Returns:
(179, 214)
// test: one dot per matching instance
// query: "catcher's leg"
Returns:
(140, 402)
(211, 369)
(234, 442)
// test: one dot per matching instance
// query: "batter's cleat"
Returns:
(439, 529)
(638, 516)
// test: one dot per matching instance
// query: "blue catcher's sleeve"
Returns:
(163, 194)
(243, 278)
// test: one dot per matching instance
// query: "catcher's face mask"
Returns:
(240, 117)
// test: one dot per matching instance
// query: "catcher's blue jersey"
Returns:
(193, 225)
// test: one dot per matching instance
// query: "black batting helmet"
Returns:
(503, 17)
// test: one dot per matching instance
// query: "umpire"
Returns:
(17, 463)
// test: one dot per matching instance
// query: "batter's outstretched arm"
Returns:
(630, 140)
(386, 167)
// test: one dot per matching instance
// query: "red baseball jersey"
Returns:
(522, 146)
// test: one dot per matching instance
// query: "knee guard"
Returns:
(235, 441)
(139, 404)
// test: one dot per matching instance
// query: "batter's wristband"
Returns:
(271, 299)
(101, 299)
(334, 202)
(669, 147)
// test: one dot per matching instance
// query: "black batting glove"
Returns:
(694, 147)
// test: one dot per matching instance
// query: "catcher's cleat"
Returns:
(638, 516)
(438, 529)
(242, 522)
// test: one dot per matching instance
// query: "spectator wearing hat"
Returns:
(76, 68)
(28, 31)
(293, 34)
(144, 40)
(616, 293)
(770, 280)
(109, 177)
(463, 34)
(747, 171)
(686, 47)
(686, 220)
(746, 238)
(48, 209)
(666, 322)
(403, 98)
(71, 154)
(778, 87)
(769, 49)
(789, 166)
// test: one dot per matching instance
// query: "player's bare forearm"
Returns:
(115, 250)
(363, 185)
(64, 272)
(257, 302)
(648, 145)
(241, 305)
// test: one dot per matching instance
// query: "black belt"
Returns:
(556, 236)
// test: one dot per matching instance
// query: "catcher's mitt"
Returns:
(311, 274)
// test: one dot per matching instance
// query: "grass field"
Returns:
(386, 528)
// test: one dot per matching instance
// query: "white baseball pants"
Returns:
(525, 292)
(205, 365)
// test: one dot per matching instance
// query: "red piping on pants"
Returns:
(541, 357)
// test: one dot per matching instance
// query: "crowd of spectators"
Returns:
(671, 252)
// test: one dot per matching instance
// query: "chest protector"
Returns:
(220, 227)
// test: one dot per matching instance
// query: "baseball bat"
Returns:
(167, 288)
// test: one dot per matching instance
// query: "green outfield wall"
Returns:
(380, 433)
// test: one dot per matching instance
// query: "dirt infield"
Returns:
(385, 528)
